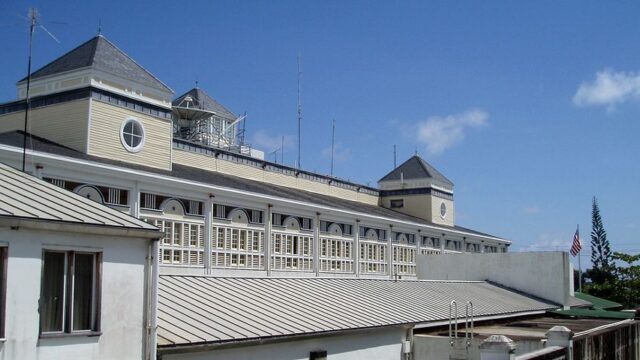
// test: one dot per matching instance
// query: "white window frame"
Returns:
(129, 148)
(176, 248)
(227, 252)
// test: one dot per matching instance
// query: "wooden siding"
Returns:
(106, 121)
(65, 123)
(249, 172)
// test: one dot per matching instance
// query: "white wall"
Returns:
(122, 310)
(543, 274)
(381, 344)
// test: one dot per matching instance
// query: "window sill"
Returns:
(72, 334)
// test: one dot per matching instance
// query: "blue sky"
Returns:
(530, 108)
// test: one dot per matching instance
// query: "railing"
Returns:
(550, 353)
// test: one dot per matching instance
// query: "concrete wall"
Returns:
(122, 310)
(429, 347)
(381, 344)
(543, 274)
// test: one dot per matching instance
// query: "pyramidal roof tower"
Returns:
(100, 64)
(416, 188)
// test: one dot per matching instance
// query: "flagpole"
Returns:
(579, 265)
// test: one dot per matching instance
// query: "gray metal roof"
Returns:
(23, 196)
(202, 100)
(14, 138)
(201, 309)
(101, 54)
(416, 168)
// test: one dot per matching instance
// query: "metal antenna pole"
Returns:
(394, 156)
(282, 151)
(299, 111)
(579, 265)
(33, 13)
(333, 141)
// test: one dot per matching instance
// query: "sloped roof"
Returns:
(416, 168)
(210, 310)
(99, 53)
(597, 302)
(203, 101)
(23, 196)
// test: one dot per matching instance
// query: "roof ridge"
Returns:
(130, 58)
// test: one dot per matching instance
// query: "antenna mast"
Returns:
(33, 14)
(299, 110)
(333, 138)
(394, 156)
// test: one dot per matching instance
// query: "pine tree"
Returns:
(601, 256)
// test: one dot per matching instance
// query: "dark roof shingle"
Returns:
(203, 101)
(416, 168)
(101, 54)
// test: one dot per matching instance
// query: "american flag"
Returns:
(577, 245)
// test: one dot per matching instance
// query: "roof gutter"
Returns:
(73, 227)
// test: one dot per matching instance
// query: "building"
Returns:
(106, 128)
(253, 253)
(63, 259)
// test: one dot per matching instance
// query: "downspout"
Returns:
(152, 300)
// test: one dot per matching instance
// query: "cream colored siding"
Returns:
(449, 218)
(65, 123)
(106, 121)
(249, 172)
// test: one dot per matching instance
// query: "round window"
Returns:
(132, 135)
(443, 210)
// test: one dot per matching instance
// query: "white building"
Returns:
(253, 253)
(75, 275)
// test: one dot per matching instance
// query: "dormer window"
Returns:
(132, 135)
(396, 204)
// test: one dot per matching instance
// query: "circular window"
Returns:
(132, 135)
(443, 210)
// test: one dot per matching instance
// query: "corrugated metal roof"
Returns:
(201, 309)
(14, 138)
(26, 197)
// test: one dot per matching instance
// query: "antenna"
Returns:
(282, 151)
(333, 138)
(99, 26)
(34, 20)
(299, 109)
(394, 156)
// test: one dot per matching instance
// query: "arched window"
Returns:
(90, 192)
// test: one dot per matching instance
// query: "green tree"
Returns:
(628, 280)
(601, 257)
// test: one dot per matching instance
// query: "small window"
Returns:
(70, 292)
(132, 135)
(396, 204)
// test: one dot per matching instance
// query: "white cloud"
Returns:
(439, 133)
(551, 242)
(531, 210)
(609, 88)
(340, 153)
(263, 141)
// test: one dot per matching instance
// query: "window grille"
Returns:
(291, 251)
(404, 259)
(58, 182)
(237, 247)
(113, 196)
(182, 242)
(336, 254)
(149, 201)
(373, 257)
(195, 207)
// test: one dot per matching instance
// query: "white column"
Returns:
(134, 200)
(316, 244)
(390, 252)
(482, 246)
(267, 239)
(418, 244)
(356, 247)
(443, 243)
(208, 233)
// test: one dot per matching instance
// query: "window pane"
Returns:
(52, 292)
(83, 291)
(128, 128)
